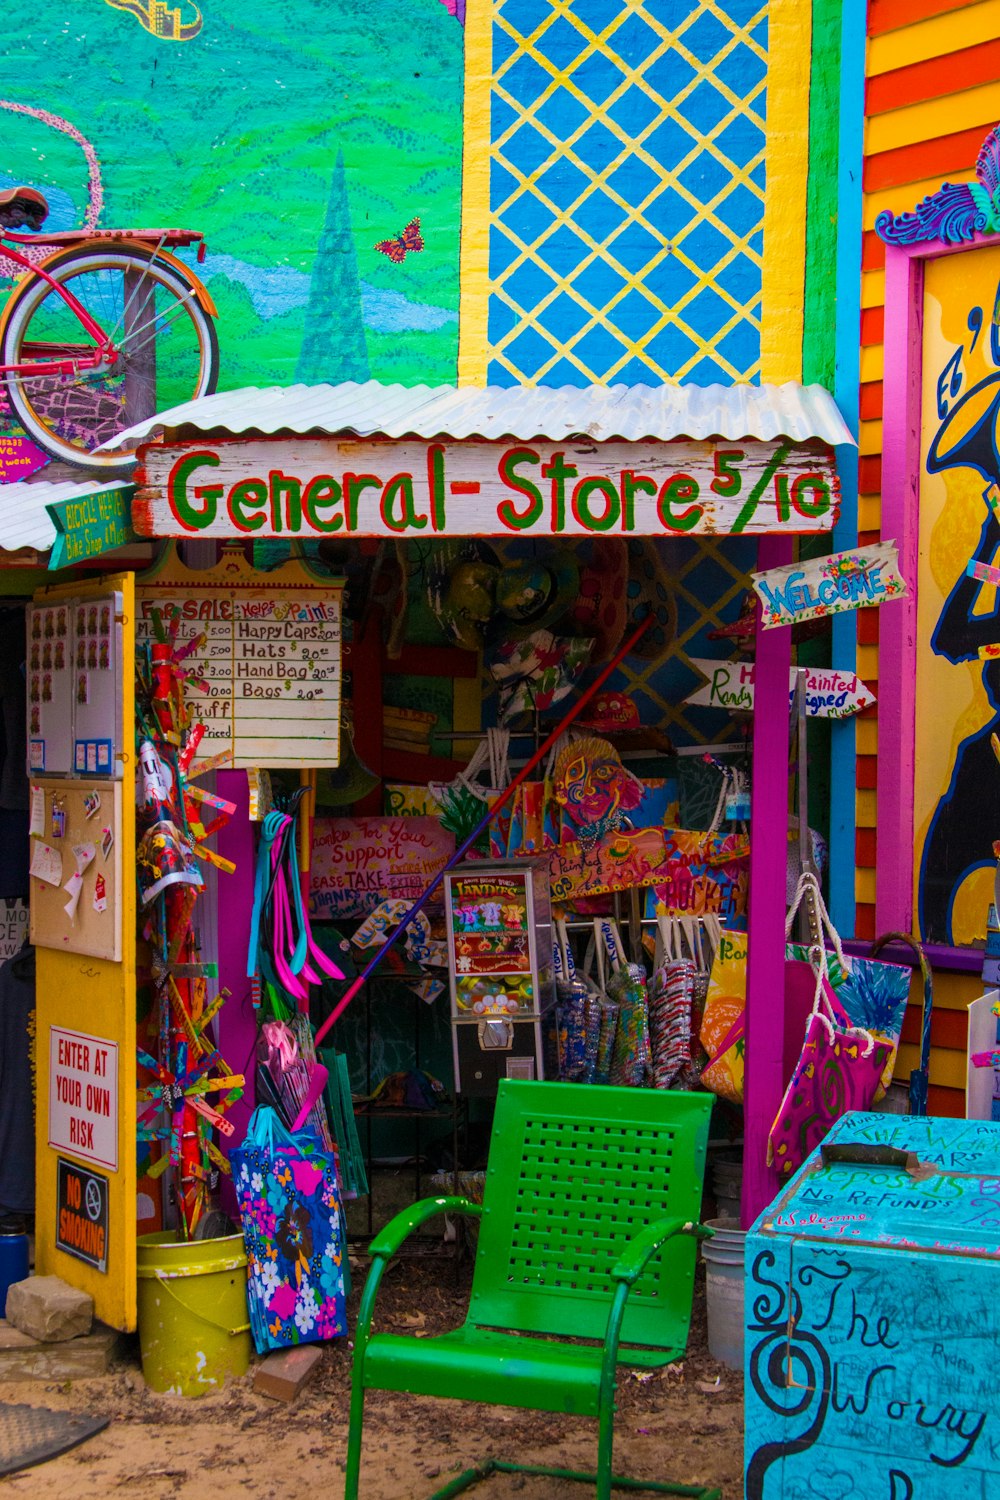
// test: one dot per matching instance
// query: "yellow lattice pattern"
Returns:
(706, 613)
(669, 176)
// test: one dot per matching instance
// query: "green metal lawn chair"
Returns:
(587, 1232)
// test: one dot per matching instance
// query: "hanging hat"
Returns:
(461, 579)
(534, 592)
(614, 714)
(601, 609)
(649, 592)
(537, 671)
(348, 782)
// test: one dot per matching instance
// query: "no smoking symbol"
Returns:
(92, 1199)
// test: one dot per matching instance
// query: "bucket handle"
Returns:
(232, 1332)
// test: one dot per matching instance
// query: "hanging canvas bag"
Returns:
(293, 1229)
(576, 1014)
(605, 1021)
(631, 1058)
(839, 1066)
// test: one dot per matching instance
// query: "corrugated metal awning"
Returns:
(632, 413)
(26, 518)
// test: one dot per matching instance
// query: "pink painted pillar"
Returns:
(237, 1022)
(764, 1078)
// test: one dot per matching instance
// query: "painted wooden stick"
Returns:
(467, 844)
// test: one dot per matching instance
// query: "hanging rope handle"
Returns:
(598, 941)
(726, 774)
(808, 890)
(711, 927)
(565, 960)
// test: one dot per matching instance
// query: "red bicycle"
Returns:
(103, 330)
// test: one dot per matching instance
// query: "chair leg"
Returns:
(605, 1449)
(354, 1430)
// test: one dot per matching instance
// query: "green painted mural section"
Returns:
(819, 333)
(297, 137)
(819, 328)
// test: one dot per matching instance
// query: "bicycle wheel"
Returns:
(166, 345)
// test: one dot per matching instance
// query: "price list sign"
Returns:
(269, 664)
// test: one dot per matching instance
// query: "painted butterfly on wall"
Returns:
(410, 239)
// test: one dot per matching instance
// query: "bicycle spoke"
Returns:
(158, 322)
(166, 356)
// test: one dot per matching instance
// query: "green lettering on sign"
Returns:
(90, 525)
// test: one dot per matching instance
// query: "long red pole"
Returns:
(467, 844)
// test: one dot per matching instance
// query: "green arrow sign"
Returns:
(91, 524)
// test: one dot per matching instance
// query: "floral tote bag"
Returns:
(293, 1229)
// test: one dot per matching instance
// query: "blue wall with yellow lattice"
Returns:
(626, 190)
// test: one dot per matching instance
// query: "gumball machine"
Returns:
(500, 970)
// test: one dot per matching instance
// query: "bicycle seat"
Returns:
(22, 205)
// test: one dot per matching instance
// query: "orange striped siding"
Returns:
(893, 15)
(872, 251)
(947, 1028)
(949, 153)
(864, 848)
(871, 400)
(864, 921)
(934, 79)
(947, 1102)
(865, 776)
(868, 627)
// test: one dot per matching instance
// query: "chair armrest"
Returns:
(389, 1238)
(640, 1250)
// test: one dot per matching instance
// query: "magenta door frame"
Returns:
(897, 669)
(764, 1079)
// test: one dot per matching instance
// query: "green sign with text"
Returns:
(90, 525)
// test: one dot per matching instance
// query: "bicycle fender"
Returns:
(201, 290)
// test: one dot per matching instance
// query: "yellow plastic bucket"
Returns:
(193, 1328)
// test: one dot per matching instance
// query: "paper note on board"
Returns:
(83, 856)
(46, 863)
(37, 823)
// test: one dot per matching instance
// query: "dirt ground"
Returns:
(682, 1423)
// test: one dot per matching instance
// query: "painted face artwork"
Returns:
(594, 788)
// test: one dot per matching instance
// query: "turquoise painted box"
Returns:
(873, 1318)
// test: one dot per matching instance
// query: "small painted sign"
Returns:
(830, 693)
(312, 487)
(83, 1096)
(830, 585)
(686, 866)
(82, 1214)
(19, 457)
(359, 862)
(90, 525)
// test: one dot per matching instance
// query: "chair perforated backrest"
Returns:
(574, 1173)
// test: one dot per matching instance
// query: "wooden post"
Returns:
(764, 1077)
